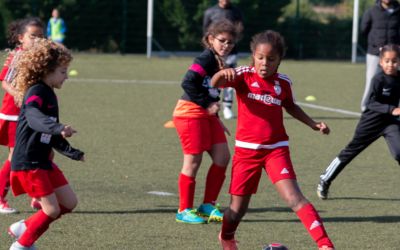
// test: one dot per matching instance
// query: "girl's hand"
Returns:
(396, 112)
(68, 131)
(82, 158)
(213, 108)
(322, 127)
(228, 74)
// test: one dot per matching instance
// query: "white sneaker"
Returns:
(17, 246)
(17, 229)
(5, 208)
(228, 114)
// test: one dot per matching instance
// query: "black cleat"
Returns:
(323, 189)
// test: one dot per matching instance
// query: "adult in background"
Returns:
(381, 25)
(56, 27)
(225, 10)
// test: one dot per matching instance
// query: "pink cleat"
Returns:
(5, 208)
(228, 244)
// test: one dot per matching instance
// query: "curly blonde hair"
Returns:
(36, 62)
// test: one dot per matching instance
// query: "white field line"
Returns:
(92, 80)
(340, 111)
(134, 81)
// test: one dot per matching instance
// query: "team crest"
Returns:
(277, 88)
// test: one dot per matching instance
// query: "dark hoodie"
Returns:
(381, 26)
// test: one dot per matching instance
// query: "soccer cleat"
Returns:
(35, 204)
(228, 114)
(5, 208)
(17, 229)
(228, 244)
(189, 216)
(17, 246)
(210, 211)
(323, 189)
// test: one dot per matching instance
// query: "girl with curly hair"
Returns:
(41, 69)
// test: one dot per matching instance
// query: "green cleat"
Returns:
(212, 212)
(189, 216)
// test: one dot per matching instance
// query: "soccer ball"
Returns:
(275, 246)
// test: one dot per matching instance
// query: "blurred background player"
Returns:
(199, 127)
(381, 118)
(21, 34)
(56, 27)
(261, 141)
(41, 69)
(225, 10)
(381, 25)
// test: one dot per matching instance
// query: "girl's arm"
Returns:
(8, 88)
(300, 115)
(63, 147)
(222, 77)
(41, 122)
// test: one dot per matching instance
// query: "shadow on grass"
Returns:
(363, 198)
(376, 219)
(173, 210)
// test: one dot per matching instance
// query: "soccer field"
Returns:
(119, 104)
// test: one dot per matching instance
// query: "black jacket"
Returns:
(381, 27)
(384, 98)
(39, 130)
(196, 82)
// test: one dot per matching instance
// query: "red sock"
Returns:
(228, 228)
(214, 182)
(187, 187)
(5, 179)
(38, 224)
(313, 223)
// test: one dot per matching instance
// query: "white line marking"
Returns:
(135, 81)
(92, 80)
(341, 111)
(160, 193)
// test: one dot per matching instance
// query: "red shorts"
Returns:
(247, 165)
(199, 134)
(8, 130)
(37, 183)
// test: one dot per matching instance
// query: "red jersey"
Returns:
(9, 111)
(260, 114)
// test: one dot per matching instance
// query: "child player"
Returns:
(199, 127)
(261, 139)
(21, 34)
(381, 118)
(41, 69)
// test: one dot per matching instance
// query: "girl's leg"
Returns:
(233, 216)
(5, 184)
(38, 223)
(290, 192)
(187, 180)
(216, 174)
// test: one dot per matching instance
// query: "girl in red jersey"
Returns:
(199, 127)
(41, 69)
(261, 139)
(21, 36)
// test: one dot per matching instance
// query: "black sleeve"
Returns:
(41, 122)
(197, 77)
(63, 147)
(366, 23)
(375, 103)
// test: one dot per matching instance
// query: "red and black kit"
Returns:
(39, 131)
